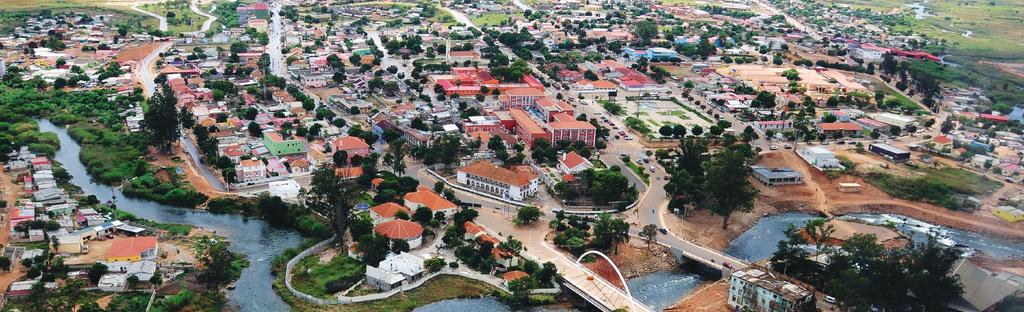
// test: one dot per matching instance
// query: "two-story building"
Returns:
(490, 178)
(752, 289)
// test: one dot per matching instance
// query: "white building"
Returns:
(395, 271)
(894, 119)
(572, 163)
(490, 178)
(755, 290)
(113, 282)
(820, 158)
(251, 170)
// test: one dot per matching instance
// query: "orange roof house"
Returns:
(571, 163)
(513, 275)
(132, 249)
(386, 212)
(427, 198)
(408, 231)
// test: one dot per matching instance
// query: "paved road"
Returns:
(276, 31)
(163, 21)
(194, 6)
(145, 70)
(522, 6)
(193, 152)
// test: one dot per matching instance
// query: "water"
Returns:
(256, 239)
(919, 231)
(658, 290)
(759, 242)
(662, 289)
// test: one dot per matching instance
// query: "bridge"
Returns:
(595, 289)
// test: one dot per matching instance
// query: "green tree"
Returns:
(528, 215)
(646, 30)
(650, 234)
(96, 271)
(161, 120)
(423, 215)
(332, 197)
(610, 232)
(374, 248)
(216, 262)
(726, 185)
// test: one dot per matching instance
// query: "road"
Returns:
(789, 19)
(194, 6)
(522, 6)
(145, 70)
(276, 31)
(163, 21)
(190, 148)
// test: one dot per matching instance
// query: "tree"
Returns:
(650, 234)
(433, 264)
(423, 215)
(133, 281)
(610, 232)
(5, 263)
(528, 215)
(399, 246)
(697, 130)
(678, 131)
(156, 280)
(819, 231)
(359, 225)
(396, 156)
(646, 30)
(374, 248)
(332, 197)
(161, 120)
(665, 131)
(96, 271)
(930, 279)
(726, 185)
(217, 264)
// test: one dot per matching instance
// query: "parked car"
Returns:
(830, 299)
(663, 231)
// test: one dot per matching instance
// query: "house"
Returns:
(653, 54)
(513, 275)
(250, 170)
(427, 198)
(395, 271)
(572, 163)
(756, 290)
(41, 163)
(113, 282)
(353, 146)
(473, 231)
(776, 176)
(410, 232)
(598, 89)
(840, 129)
(490, 178)
(133, 249)
(888, 151)
(983, 288)
(386, 212)
(278, 146)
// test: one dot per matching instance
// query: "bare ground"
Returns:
(709, 298)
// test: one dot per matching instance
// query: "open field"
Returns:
(179, 17)
(59, 4)
(490, 19)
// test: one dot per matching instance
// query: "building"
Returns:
(777, 176)
(598, 89)
(351, 145)
(470, 81)
(259, 10)
(410, 232)
(754, 290)
(520, 97)
(314, 80)
(894, 120)
(820, 158)
(653, 54)
(427, 198)
(888, 151)
(278, 146)
(133, 249)
(869, 52)
(395, 271)
(571, 162)
(849, 187)
(820, 84)
(250, 170)
(386, 212)
(982, 288)
(490, 178)
(287, 189)
(841, 129)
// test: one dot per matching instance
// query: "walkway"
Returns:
(589, 285)
(163, 21)
(194, 6)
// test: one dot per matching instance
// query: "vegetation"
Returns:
(860, 263)
(324, 279)
(436, 289)
(943, 187)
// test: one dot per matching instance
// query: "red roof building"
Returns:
(427, 198)
(408, 231)
(386, 212)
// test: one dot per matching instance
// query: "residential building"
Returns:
(570, 163)
(259, 10)
(278, 146)
(1008, 213)
(410, 232)
(287, 189)
(386, 212)
(425, 197)
(653, 54)
(759, 291)
(983, 288)
(133, 249)
(353, 146)
(842, 129)
(776, 176)
(490, 178)
(395, 271)
(250, 170)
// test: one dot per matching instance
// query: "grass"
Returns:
(490, 19)
(439, 288)
(612, 107)
(312, 278)
(184, 19)
(936, 186)
(677, 113)
(963, 180)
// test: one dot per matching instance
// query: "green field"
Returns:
(311, 277)
(184, 20)
(490, 19)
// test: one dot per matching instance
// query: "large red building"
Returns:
(469, 81)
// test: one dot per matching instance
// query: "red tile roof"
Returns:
(388, 210)
(491, 171)
(836, 126)
(427, 198)
(571, 159)
(399, 229)
(514, 275)
(524, 92)
(472, 228)
(348, 143)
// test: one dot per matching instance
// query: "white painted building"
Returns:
(395, 271)
(755, 290)
(490, 178)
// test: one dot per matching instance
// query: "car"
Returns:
(841, 142)
(663, 231)
(652, 169)
(629, 138)
(830, 299)
(623, 154)
(726, 265)
(789, 146)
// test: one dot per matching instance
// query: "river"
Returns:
(250, 236)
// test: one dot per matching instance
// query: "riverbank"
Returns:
(436, 289)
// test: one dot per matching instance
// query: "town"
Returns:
(326, 155)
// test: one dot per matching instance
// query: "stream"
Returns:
(250, 236)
